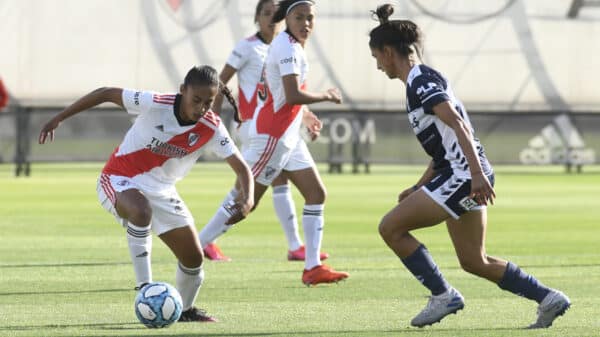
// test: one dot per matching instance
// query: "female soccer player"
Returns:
(275, 144)
(247, 60)
(137, 184)
(455, 188)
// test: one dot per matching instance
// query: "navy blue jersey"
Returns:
(425, 88)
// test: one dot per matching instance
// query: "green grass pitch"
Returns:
(65, 271)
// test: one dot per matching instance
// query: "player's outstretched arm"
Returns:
(96, 97)
(244, 202)
(294, 95)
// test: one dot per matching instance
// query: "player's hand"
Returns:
(313, 124)
(334, 95)
(47, 132)
(239, 211)
(404, 194)
(481, 189)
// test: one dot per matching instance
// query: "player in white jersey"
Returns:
(247, 60)
(275, 144)
(455, 188)
(137, 184)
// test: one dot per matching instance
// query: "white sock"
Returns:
(188, 282)
(216, 226)
(139, 240)
(312, 222)
(286, 212)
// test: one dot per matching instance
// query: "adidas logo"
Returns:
(558, 143)
(144, 254)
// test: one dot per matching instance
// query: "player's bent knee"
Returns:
(473, 266)
(387, 228)
(140, 217)
(192, 260)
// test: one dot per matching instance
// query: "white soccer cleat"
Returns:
(554, 304)
(439, 307)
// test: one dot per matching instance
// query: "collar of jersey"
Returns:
(176, 109)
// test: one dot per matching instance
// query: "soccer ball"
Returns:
(158, 305)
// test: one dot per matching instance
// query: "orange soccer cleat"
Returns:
(322, 274)
(299, 255)
(213, 252)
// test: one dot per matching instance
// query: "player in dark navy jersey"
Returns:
(455, 188)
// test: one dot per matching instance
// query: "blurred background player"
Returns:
(3, 95)
(275, 146)
(455, 188)
(247, 60)
(137, 184)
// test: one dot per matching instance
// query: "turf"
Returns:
(65, 271)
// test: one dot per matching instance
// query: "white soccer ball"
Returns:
(158, 305)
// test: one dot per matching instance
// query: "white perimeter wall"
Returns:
(529, 57)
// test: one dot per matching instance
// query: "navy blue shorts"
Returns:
(452, 193)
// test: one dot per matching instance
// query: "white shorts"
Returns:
(452, 193)
(267, 157)
(243, 135)
(168, 209)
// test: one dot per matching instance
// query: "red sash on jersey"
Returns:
(144, 160)
(246, 107)
(275, 123)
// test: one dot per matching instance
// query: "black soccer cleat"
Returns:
(194, 314)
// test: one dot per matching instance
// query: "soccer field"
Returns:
(65, 270)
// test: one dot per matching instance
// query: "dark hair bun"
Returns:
(383, 12)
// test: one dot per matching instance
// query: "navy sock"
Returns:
(518, 282)
(425, 270)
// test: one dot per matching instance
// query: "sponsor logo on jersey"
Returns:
(290, 59)
(160, 128)
(224, 141)
(193, 139)
(424, 91)
(136, 98)
(159, 147)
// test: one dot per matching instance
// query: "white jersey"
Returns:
(274, 117)
(157, 151)
(248, 59)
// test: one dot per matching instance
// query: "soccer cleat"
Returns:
(194, 314)
(439, 307)
(322, 274)
(554, 304)
(300, 255)
(213, 252)
(140, 286)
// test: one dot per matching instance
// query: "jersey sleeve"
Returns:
(137, 102)
(430, 91)
(221, 143)
(285, 56)
(239, 55)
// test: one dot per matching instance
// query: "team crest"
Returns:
(193, 139)
(269, 172)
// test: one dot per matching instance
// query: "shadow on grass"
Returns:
(66, 292)
(137, 326)
(53, 265)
